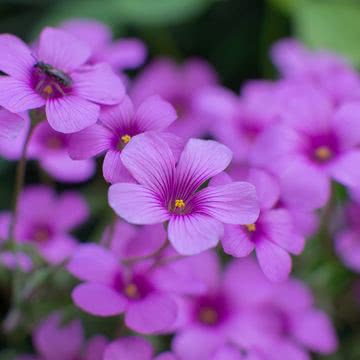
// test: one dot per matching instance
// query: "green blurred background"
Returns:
(235, 37)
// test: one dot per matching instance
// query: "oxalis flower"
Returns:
(117, 126)
(169, 192)
(54, 76)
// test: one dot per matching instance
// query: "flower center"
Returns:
(208, 315)
(54, 143)
(124, 140)
(179, 204)
(41, 235)
(132, 291)
(251, 227)
(323, 153)
(50, 82)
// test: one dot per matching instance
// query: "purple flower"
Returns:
(315, 136)
(129, 241)
(56, 77)
(53, 341)
(10, 125)
(329, 72)
(47, 224)
(169, 192)
(347, 240)
(287, 323)
(118, 125)
(122, 54)
(272, 235)
(180, 85)
(110, 289)
(134, 348)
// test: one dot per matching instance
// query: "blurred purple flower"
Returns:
(169, 192)
(328, 71)
(118, 125)
(54, 341)
(56, 77)
(272, 235)
(44, 221)
(10, 125)
(127, 53)
(180, 85)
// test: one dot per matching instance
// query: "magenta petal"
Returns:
(71, 210)
(11, 125)
(95, 348)
(62, 168)
(348, 248)
(314, 330)
(16, 59)
(155, 114)
(59, 248)
(70, 114)
(17, 95)
(346, 124)
(89, 142)
(113, 169)
(201, 160)
(236, 242)
(156, 313)
(93, 263)
(273, 260)
(280, 229)
(131, 348)
(228, 352)
(62, 50)
(234, 203)
(119, 117)
(150, 161)
(55, 341)
(166, 356)
(131, 241)
(137, 204)
(346, 169)
(196, 344)
(99, 83)
(194, 233)
(98, 299)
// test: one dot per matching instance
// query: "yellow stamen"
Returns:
(179, 203)
(251, 227)
(208, 315)
(48, 90)
(323, 153)
(131, 291)
(126, 138)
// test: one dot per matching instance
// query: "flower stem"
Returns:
(19, 184)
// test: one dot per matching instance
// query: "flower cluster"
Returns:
(195, 174)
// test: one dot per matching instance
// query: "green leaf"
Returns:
(332, 24)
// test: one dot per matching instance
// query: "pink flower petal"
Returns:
(95, 348)
(16, 59)
(150, 161)
(134, 348)
(98, 83)
(137, 204)
(17, 96)
(70, 114)
(89, 142)
(234, 203)
(236, 241)
(155, 114)
(156, 313)
(314, 330)
(54, 341)
(59, 248)
(62, 50)
(273, 260)
(200, 160)
(114, 170)
(11, 125)
(98, 299)
(346, 169)
(93, 263)
(194, 233)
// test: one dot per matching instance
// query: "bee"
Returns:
(57, 75)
